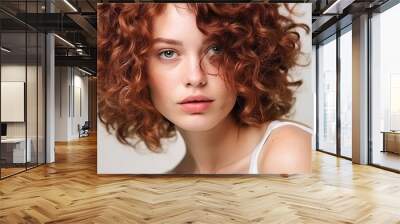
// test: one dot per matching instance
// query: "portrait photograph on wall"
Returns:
(205, 88)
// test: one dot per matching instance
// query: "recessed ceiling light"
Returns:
(70, 5)
(64, 40)
(337, 7)
(84, 71)
(5, 50)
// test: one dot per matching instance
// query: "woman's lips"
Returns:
(196, 106)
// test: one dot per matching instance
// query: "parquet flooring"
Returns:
(388, 159)
(70, 191)
(9, 171)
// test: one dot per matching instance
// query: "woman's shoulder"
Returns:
(287, 150)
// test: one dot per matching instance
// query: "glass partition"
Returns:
(13, 95)
(31, 100)
(346, 93)
(22, 88)
(327, 96)
(385, 89)
(41, 91)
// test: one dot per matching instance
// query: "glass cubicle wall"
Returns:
(13, 89)
(22, 89)
(385, 89)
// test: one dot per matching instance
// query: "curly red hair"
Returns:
(259, 47)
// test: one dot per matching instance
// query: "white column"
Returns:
(50, 99)
(50, 92)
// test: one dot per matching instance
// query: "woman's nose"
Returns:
(195, 76)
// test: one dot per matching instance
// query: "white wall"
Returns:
(70, 84)
(33, 126)
(17, 72)
(79, 117)
(114, 157)
(62, 81)
(14, 72)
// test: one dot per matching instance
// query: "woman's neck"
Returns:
(217, 148)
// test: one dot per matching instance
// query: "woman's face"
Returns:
(194, 98)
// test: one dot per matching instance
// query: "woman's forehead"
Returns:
(177, 20)
(183, 7)
(177, 9)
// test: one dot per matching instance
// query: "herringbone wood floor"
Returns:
(70, 191)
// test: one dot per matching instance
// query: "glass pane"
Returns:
(314, 74)
(346, 94)
(41, 98)
(31, 97)
(385, 86)
(13, 87)
(327, 97)
(23, 87)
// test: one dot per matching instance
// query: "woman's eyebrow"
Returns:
(168, 41)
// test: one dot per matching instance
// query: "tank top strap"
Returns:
(253, 169)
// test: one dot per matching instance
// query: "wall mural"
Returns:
(204, 88)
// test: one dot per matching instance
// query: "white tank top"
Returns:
(253, 169)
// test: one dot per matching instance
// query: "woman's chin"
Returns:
(196, 125)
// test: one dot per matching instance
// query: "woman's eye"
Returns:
(167, 54)
(215, 50)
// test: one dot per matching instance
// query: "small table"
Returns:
(391, 141)
(15, 148)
